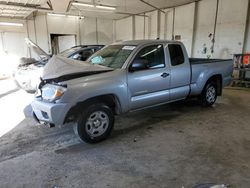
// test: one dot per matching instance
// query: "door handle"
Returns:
(164, 75)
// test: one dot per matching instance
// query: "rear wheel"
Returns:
(95, 123)
(209, 94)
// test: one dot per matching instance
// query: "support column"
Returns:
(158, 23)
(247, 30)
(194, 27)
(133, 27)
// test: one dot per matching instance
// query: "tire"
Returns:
(95, 123)
(209, 94)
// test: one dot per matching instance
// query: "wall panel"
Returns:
(123, 29)
(230, 28)
(184, 23)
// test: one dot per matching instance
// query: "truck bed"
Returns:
(203, 69)
(205, 60)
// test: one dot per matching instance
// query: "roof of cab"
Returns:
(142, 42)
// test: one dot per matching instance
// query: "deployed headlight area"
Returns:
(51, 92)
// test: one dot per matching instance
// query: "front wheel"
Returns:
(95, 123)
(209, 95)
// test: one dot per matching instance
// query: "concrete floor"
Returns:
(170, 146)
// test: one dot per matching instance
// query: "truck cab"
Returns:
(158, 73)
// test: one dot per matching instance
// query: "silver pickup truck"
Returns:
(124, 77)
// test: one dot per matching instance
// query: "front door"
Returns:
(148, 78)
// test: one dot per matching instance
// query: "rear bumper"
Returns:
(49, 112)
(227, 81)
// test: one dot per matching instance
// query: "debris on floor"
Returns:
(211, 185)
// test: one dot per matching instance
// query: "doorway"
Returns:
(61, 42)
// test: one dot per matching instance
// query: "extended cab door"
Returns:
(180, 72)
(149, 77)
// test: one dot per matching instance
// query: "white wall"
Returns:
(140, 27)
(13, 28)
(42, 36)
(123, 29)
(62, 25)
(247, 42)
(38, 29)
(184, 23)
(163, 25)
(19, 48)
(105, 31)
(205, 25)
(168, 22)
(1, 43)
(96, 31)
(12, 45)
(152, 25)
(229, 38)
(31, 30)
(88, 31)
(229, 33)
(230, 30)
(66, 42)
(13, 35)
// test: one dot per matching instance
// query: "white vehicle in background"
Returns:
(8, 62)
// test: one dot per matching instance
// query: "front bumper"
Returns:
(53, 113)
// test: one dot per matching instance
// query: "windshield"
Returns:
(68, 52)
(113, 56)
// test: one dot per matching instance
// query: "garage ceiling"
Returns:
(22, 8)
(12, 11)
(124, 8)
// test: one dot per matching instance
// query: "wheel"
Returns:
(209, 95)
(95, 123)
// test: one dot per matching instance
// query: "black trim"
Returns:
(194, 61)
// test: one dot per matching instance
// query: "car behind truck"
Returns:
(124, 77)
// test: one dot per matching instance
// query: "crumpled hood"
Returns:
(59, 66)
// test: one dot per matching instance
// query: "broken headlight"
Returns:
(52, 92)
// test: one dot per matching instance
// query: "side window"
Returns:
(96, 49)
(176, 54)
(150, 57)
(83, 55)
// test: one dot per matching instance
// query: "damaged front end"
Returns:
(50, 105)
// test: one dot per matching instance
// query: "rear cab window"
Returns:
(176, 54)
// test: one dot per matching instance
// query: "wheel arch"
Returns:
(111, 100)
(217, 80)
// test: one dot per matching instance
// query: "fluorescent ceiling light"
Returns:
(75, 16)
(105, 7)
(72, 16)
(82, 4)
(52, 14)
(11, 24)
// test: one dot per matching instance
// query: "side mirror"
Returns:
(138, 64)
